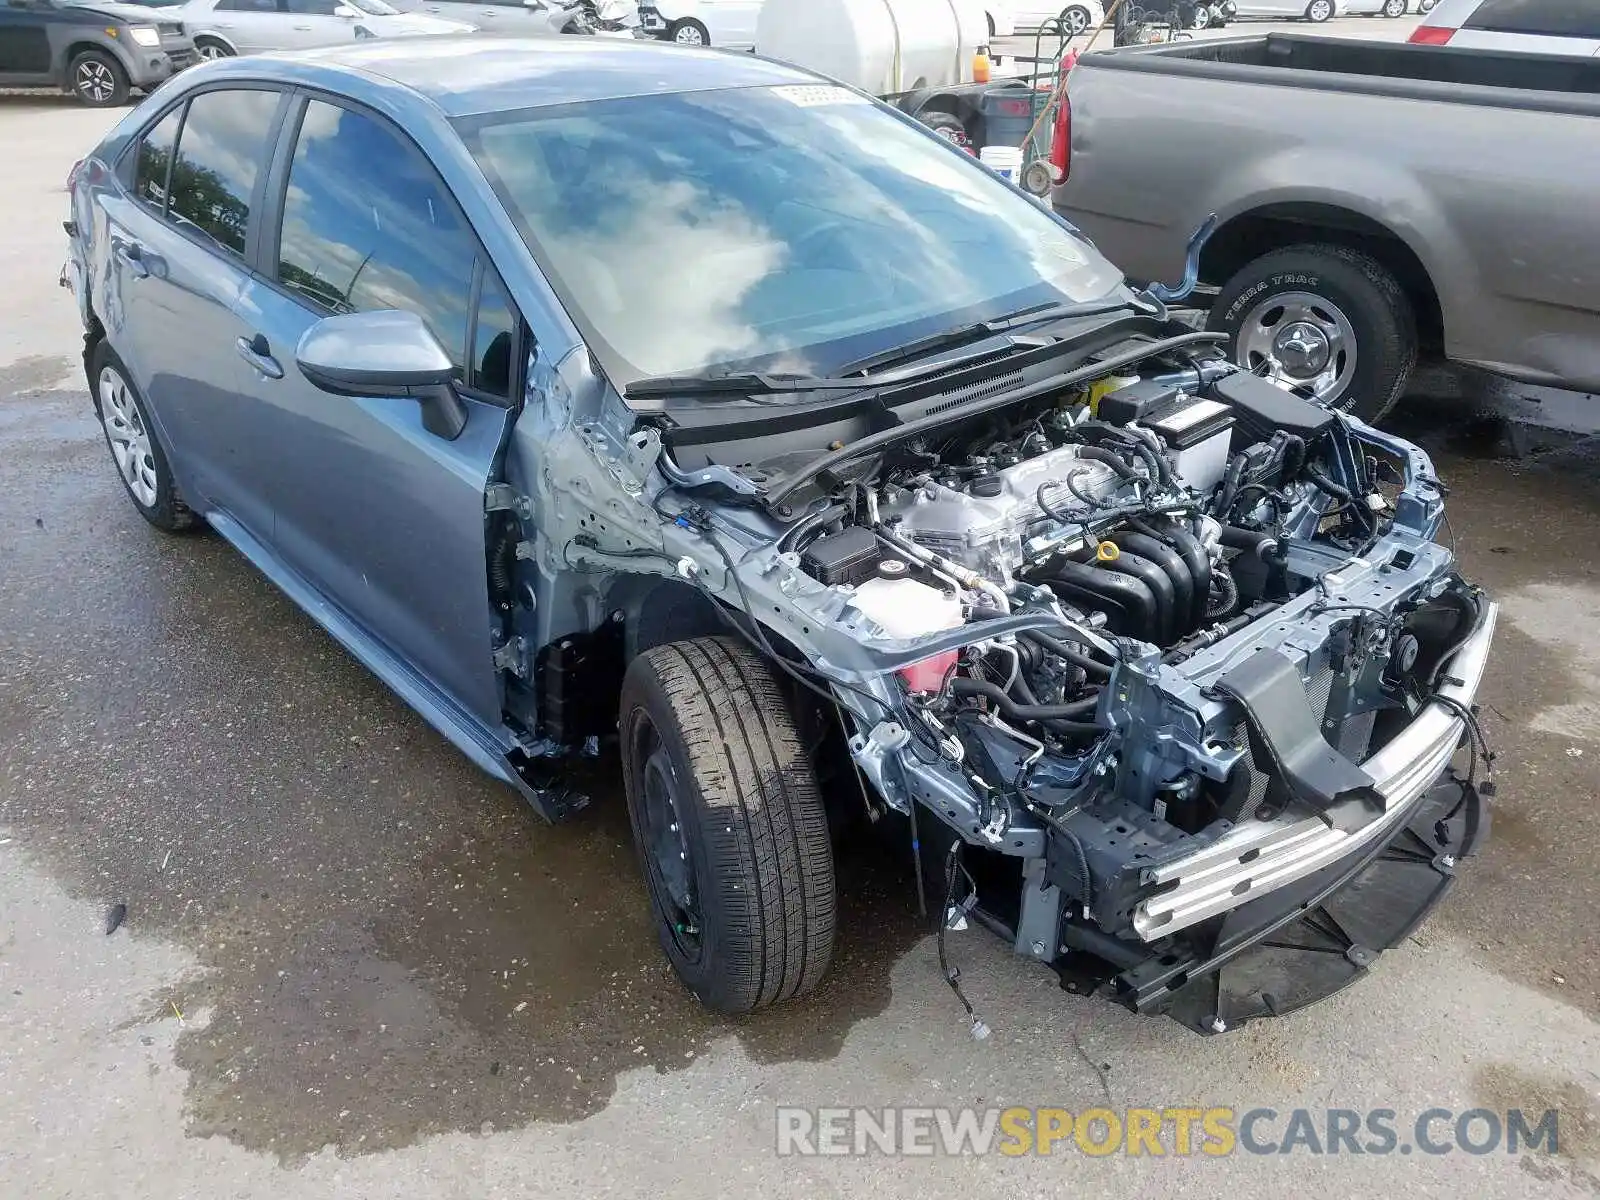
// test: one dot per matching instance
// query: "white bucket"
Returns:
(1005, 161)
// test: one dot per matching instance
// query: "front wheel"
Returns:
(1395, 8)
(1319, 11)
(728, 819)
(688, 32)
(1326, 320)
(98, 80)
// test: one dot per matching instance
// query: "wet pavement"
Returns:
(352, 965)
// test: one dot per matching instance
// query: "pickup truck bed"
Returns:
(1400, 199)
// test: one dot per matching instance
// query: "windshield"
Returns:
(793, 228)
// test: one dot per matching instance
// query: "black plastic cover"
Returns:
(1262, 408)
(1135, 401)
(847, 557)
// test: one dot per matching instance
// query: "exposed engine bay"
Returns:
(1165, 654)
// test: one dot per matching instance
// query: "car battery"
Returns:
(1198, 434)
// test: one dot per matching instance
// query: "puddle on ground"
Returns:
(394, 945)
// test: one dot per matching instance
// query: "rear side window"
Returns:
(220, 154)
(1550, 18)
(368, 224)
(153, 160)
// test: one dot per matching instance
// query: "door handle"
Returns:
(256, 352)
(302, 28)
(131, 253)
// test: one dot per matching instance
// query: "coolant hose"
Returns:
(1263, 545)
(1060, 716)
(1111, 459)
(1093, 667)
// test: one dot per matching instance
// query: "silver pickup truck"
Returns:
(1375, 202)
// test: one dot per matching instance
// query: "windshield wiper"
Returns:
(1032, 315)
(863, 372)
(743, 383)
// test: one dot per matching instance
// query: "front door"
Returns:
(24, 41)
(383, 518)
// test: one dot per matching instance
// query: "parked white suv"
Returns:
(1530, 26)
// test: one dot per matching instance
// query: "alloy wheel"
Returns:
(94, 81)
(129, 439)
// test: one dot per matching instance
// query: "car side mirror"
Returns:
(344, 10)
(384, 354)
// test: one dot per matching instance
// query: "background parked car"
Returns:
(1001, 17)
(1377, 8)
(727, 23)
(1315, 11)
(222, 28)
(1079, 16)
(98, 52)
(1526, 26)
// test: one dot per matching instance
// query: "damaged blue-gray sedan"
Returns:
(691, 404)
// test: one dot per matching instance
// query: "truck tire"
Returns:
(729, 823)
(1324, 318)
(949, 127)
(97, 79)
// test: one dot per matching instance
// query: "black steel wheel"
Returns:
(729, 823)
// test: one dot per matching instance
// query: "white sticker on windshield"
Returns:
(813, 95)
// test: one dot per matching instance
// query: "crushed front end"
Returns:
(1181, 673)
(1159, 662)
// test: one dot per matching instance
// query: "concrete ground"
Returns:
(351, 966)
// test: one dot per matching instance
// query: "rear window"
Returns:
(220, 153)
(1550, 18)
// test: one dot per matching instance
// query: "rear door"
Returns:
(732, 22)
(384, 519)
(308, 23)
(175, 244)
(1532, 27)
(251, 25)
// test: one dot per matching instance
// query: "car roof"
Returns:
(468, 75)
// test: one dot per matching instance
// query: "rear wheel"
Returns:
(98, 80)
(1396, 8)
(1074, 19)
(1325, 319)
(689, 32)
(210, 48)
(948, 127)
(729, 822)
(1319, 11)
(141, 464)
